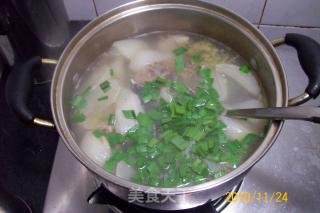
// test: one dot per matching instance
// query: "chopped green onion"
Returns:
(130, 114)
(86, 92)
(144, 120)
(158, 141)
(148, 97)
(112, 162)
(249, 138)
(195, 133)
(179, 109)
(78, 102)
(78, 117)
(98, 133)
(167, 135)
(153, 168)
(180, 63)
(151, 91)
(115, 138)
(244, 69)
(205, 72)
(199, 167)
(109, 165)
(179, 142)
(201, 148)
(180, 51)
(103, 98)
(183, 170)
(154, 114)
(196, 58)
(222, 138)
(111, 119)
(179, 87)
(153, 142)
(141, 148)
(105, 86)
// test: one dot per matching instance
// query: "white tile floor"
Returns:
(292, 12)
(274, 32)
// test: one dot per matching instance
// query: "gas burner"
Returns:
(117, 205)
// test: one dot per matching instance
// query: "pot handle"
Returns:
(309, 57)
(19, 88)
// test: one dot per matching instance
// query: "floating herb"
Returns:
(180, 50)
(111, 119)
(78, 117)
(180, 63)
(105, 86)
(130, 114)
(244, 69)
(103, 98)
(98, 133)
(196, 58)
(115, 138)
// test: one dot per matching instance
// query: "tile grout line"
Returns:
(95, 7)
(293, 26)
(262, 13)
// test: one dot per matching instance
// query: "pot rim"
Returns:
(130, 9)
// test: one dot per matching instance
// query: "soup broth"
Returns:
(151, 109)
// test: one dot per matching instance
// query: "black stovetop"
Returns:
(26, 151)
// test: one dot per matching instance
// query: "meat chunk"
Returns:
(151, 72)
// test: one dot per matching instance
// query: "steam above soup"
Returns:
(150, 110)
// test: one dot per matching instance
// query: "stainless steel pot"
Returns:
(166, 15)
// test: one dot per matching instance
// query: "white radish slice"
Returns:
(102, 71)
(237, 128)
(93, 104)
(146, 57)
(128, 100)
(231, 92)
(98, 149)
(119, 69)
(125, 171)
(129, 47)
(171, 42)
(180, 39)
(165, 94)
(246, 80)
(96, 111)
(221, 85)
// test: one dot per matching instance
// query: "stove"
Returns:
(287, 179)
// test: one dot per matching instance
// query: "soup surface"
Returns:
(151, 109)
